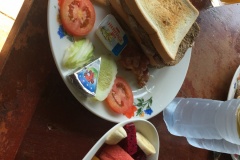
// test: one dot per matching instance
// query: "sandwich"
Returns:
(164, 29)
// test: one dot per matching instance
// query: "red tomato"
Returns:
(130, 112)
(120, 97)
(77, 16)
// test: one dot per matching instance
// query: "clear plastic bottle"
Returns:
(203, 118)
(227, 121)
(218, 145)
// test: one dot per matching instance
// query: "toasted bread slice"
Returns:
(166, 21)
(133, 28)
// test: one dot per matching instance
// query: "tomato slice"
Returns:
(77, 16)
(120, 97)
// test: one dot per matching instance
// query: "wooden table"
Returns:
(39, 117)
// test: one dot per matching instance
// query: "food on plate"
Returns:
(86, 78)
(140, 155)
(112, 35)
(163, 29)
(237, 96)
(145, 145)
(101, 2)
(120, 97)
(237, 93)
(116, 136)
(78, 54)
(107, 75)
(114, 152)
(133, 59)
(129, 144)
(133, 146)
(77, 16)
(96, 78)
(116, 41)
(95, 158)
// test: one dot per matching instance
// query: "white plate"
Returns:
(162, 87)
(231, 93)
(143, 126)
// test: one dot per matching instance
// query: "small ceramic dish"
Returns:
(235, 157)
(143, 126)
(231, 94)
(233, 85)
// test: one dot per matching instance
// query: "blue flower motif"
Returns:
(61, 32)
(148, 111)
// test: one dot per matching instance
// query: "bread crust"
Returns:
(129, 23)
(127, 20)
(163, 37)
(186, 43)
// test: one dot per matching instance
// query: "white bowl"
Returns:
(231, 93)
(233, 85)
(142, 125)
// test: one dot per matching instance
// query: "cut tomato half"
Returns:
(77, 16)
(120, 97)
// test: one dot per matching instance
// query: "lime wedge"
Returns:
(107, 75)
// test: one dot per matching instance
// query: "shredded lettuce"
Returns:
(78, 54)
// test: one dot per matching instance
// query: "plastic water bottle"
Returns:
(227, 121)
(218, 145)
(203, 118)
(192, 117)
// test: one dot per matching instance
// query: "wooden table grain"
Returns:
(40, 119)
